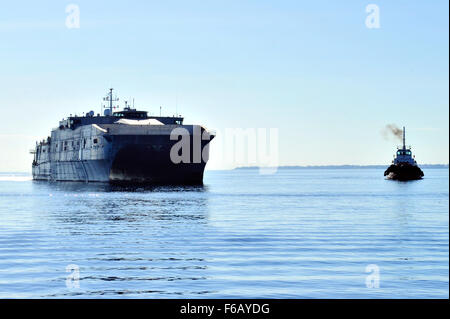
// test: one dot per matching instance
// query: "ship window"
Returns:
(95, 141)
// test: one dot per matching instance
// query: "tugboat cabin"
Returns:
(404, 154)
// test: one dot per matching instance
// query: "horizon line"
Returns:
(289, 167)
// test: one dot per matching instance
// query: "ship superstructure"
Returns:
(404, 165)
(123, 146)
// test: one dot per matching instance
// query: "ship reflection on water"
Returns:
(80, 187)
(86, 201)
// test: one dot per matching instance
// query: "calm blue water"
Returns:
(301, 233)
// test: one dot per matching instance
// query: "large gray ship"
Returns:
(123, 146)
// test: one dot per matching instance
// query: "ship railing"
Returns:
(400, 147)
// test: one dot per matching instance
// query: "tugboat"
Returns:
(125, 146)
(404, 166)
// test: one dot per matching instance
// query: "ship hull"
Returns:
(141, 163)
(73, 171)
(403, 172)
(119, 156)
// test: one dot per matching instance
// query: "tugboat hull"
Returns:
(403, 172)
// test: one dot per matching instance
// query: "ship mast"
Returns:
(110, 99)
(111, 107)
(404, 145)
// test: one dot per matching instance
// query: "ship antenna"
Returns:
(110, 100)
(404, 146)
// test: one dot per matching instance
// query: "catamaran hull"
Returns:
(126, 158)
(127, 170)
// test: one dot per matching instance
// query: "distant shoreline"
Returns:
(343, 166)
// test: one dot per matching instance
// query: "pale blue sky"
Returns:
(311, 69)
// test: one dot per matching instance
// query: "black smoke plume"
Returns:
(392, 130)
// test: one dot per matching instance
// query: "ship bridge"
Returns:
(129, 113)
